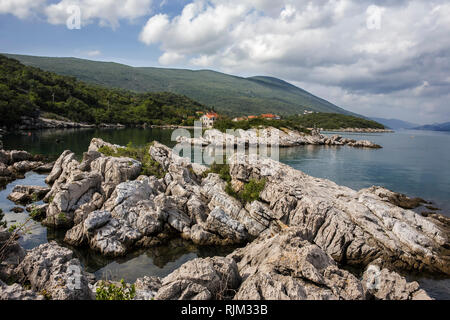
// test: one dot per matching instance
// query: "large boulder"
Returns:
(116, 170)
(26, 194)
(97, 143)
(110, 236)
(77, 191)
(52, 271)
(383, 284)
(58, 168)
(201, 279)
(353, 227)
(287, 267)
(81, 188)
(25, 166)
(127, 216)
(18, 156)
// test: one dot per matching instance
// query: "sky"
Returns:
(387, 58)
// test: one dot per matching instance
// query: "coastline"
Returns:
(360, 130)
(214, 217)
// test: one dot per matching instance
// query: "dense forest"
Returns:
(29, 91)
(334, 121)
(328, 121)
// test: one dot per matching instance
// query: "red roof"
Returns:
(211, 115)
(268, 115)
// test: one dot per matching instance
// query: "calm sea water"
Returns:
(416, 163)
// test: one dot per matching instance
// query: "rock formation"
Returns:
(14, 164)
(354, 227)
(299, 233)
(271, 136)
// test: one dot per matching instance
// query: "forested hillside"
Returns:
(28, 91)
(228, 94)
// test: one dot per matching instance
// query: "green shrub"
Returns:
(13, 228)
(252, 190)
(62, 216)
(150, 167)
(107, 151)
(223, 170)
(112, 291)
(37, 214)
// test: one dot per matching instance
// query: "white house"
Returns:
(209, 119)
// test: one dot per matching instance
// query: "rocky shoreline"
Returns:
(272, 136)
(360, 130)
(299, 235)
(30, 123)
(14, 164)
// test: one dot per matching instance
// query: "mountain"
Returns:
(29, 92)
(228, 94)
(435, 127)
(395, 123)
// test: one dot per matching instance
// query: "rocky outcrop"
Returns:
(287, 267)
(270, 137)
(38, 212)
(27, 194)
(201, 279)
(53, 272)
(353, 227)
(14, 164)
(362, 130)
(138, 212)
(17, 292)
(147, 288)
(387, 285)
(39, 123)
(80, 188)
(129, 215)
(299, 232)
(96, 144)
(397, 199)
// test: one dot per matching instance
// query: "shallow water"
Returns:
(416, 163)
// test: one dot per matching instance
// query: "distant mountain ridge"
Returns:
(435, 127)
(228, 94)
(395, 123)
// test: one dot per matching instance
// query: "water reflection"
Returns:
(158, 261)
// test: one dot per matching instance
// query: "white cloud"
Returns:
(106, 12)
(20, 8)
(321, 44)
(153, 30)
(170, 58)
(94, 53)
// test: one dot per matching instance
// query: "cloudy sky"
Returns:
(387, 58)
